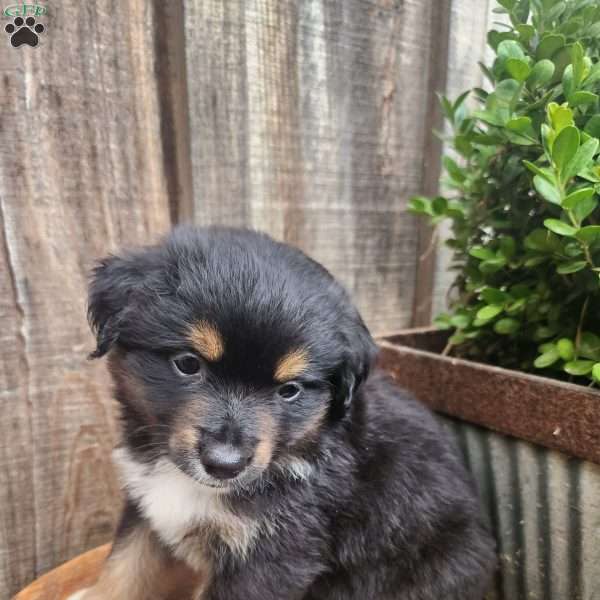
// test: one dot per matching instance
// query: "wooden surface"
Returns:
(311, 120)
(470, 21)
(81, 174)
(75, 575)
(307, 119)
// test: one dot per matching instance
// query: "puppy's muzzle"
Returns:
(224, 461)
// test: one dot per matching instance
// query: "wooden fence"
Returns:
(309, 119)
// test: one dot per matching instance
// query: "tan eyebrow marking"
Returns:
(207, 340)
(291, 365)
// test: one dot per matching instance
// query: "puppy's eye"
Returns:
(186, 364)
(289, 391)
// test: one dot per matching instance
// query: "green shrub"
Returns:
(523, 182)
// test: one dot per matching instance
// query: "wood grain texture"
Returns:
(308, 120)
(81, 174)
(75, 575)
(469, 23)
(426, 242)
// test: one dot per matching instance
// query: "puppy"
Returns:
(260, 460)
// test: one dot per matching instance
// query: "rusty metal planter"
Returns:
(531, 444)
(551, 413)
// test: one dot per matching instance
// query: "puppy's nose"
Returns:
(224, 461)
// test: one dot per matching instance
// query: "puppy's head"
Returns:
(230, 352)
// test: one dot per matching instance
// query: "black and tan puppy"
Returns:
(260, 460)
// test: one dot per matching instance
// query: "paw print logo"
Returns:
(24, 31)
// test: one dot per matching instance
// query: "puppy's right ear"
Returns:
(112, 283)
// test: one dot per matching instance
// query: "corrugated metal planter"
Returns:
(543, 503)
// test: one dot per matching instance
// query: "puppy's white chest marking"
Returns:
(176, 505)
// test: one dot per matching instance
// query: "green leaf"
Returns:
(506, 91)
(541, 171)
(453, 169)
(446, 108)
(526, 32)
(547, 190)
(508, 49)
(542, 333)
(565, 147)
(497, 118)
(520, 14)
(550, 45)
(561, 60)
(596, 372)
(521, 125)
(420, 205)
(439, 205)
(559, 116)
(457, 338)
(566, 349)
(571, 27)
(589, 235)
(495, 38)
(541, 74)
(548, 136)
(579, 367)
(589, 346)
(516, 306)
(542, 240)
(547, 359)
(442, 322)
(460, 321)
(518, 69)
(567, 81)
(582, 159)
(519, 139)
(459, 101)
(571, 267)
(534, 261)
(492, 265)
(489, 75)
(489, 312)
(593, 126)
(486, 140)
(560, 227)
(482, 253)
(557, 9)
(591, 174)
(577, 55)
(581, 203)
(506, 326)
(463, 145)
(575, 198)
(582, 97)
(494, 296)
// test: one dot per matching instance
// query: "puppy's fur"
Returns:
(231, 350)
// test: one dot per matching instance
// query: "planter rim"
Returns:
(386, 341)
(548, 412)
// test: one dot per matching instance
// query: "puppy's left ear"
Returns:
(112, 285)
(359, 357)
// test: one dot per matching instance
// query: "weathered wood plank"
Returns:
(81, 173)
(469, 23)
(426, 245)
(308, 121)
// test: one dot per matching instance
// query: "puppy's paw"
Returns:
(78, 595)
